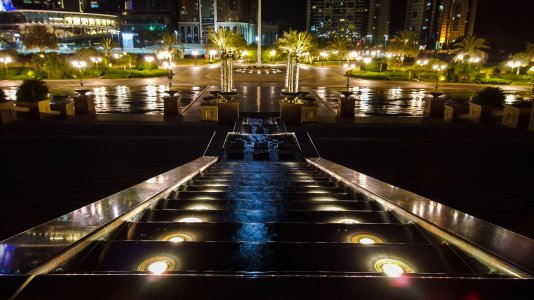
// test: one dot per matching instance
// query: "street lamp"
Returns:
(421, 63)
(244, 53)
(195, 53)
(96, 60)
(212, 54)
(438, 69)
(348, 67)
(323, 54)
(149, 59)
(513, 65)
(272, 53)
(168, 66)
(80, 64)
(6, 60)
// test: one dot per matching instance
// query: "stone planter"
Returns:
(66, 110)
(222, 113)
(8, 113)
(36, 110)
(209, 112)
(435, 106)
(294, 114)
(227, 113)
(172, 106)
(516, 117)
(346, 107)
(484, 114)
(85, 105)
(455, 112)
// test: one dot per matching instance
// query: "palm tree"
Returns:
(404, 44)
(39, 37)
(471, 47)
(107, 45)
(339, 45)
(226, 42)
(173, 45)
(295, 44)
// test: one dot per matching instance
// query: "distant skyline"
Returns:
(507, 25)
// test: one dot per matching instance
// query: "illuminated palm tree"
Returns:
(295, 44)
(471, 47)
(404, 44)
(39, 37)
(226, 42)
(107, 45)
(173, 45)
(339, 45)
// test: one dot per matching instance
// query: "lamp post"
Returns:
(244, 53)
(323, 54)
(438, 69)
(513, 65)
(195, 53)
(96, 60)
(6, 60)
(212, 54)
(80, 64)
(168, 66)
(273, 54)
(149, 59)
(421, 64)
(347, 67)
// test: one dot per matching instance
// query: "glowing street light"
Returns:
(80, 64)
(96, 60)
(438, 69)
(272, 53)
(149, 59)
(514, 64)
(212, 54)
(169, 66)
(195, 53)
(348, 67)
(244, 53)
(367, 60)
(323, 54)
(6, 60)
(422, 63)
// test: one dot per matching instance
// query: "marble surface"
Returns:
(512, 247)
(27, 250)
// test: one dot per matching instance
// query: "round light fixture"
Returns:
(366, 239)
(199, 207)
(177, 238)
(392, 267)
(157, 265)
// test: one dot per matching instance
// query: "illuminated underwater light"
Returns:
(366, 239)
(190, 220)
(177, 238)
(157, 265)
(392, 267)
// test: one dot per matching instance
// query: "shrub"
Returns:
(493, 80)
(32, 90)
(490, 96)
(369, 75)
(374, 67)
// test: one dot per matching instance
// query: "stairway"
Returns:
(271, 217)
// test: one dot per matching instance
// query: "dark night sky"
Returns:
(508, 25)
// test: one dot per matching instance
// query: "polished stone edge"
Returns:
(97, 219)
(494, 243)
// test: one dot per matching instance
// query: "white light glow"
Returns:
(392, 270)
(158, 267)
(347, 221)
(190, 220)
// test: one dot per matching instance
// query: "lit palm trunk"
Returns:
(227, 83)
(292, 74)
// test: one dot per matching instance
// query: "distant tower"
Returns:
(326, 17)
(378, 25)
(438, 23)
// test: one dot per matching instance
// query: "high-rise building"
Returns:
(438, 23)
(6, 5)
(344, 17)
(198, 17)
(378, 26)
